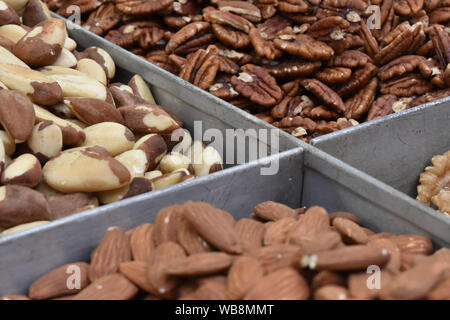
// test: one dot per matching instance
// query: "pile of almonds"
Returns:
(71, 138)
(196, 251)
(309, 67)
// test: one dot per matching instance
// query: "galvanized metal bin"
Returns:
(396, 149)
(306, 177)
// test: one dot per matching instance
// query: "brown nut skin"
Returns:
(124, 96)
(92, 111)
(25, 170)
(154, 147)
(65, 205)
(35, 12)
(148, 119)
(43, 44)
(19, 205)
(8, 15)
(16, 114)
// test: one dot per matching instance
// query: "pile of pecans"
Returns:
(70, 138)
(434, 184)
(309, 67)
(196, 251)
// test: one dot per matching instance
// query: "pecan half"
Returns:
(142, 7)
(332, 76)
(358, 105)
(230, 37)
(242, 8)
(222, 88)
(406, 86)
(441, 43)
(305, 46)
(381, 107)
(257, 85)
(103, 19)
(400, 66)
(358, 80)
(200, 68)
(264, 48)
(408, 8)
(186, 33)
(293, 68)
(350, 59)
(228, 19)
(324, 94)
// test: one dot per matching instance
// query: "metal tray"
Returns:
(307, 177)
(395, 149)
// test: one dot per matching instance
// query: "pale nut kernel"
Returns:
(22, 227)
(13, 32)
(46, 140)
(16, 114)
(135, 161)
(137, 186)
(7, 57)
(70, 44)
(153, 174)
(38, 87)
(43, 44)
(19, 205)
(62, 110)
(72, 133)
(210, 162)
(25, 170)
(65, 59)
(154, 147)
(85, 170)
(140, 88)
(114, 137)
(169, 179)
(16, 4)
(92, 69)
(103, 59)
(174, 161)
(8, 143)
(75, 83)
(49, 192)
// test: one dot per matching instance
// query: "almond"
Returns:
(318, 242)
(277, 232)
(136, 272)
(313, 222)
(331, 292)
(357, 257)
(251, 233)
(416, 282)
(210, 288)
(277, 256)
(111, 287)
(112, 250)
(351, 232)
(395, 260)
(166, 224)
(245, 273)
(199, 264)
(283, 284)
(415, 244)
(14, 297)
(141, 242)
(345, 215)
(214, 226)
(161, 284)
(272, 211)
(190, 240)
(56, 283)
(358, 284)
(441, 291)
(326, 278)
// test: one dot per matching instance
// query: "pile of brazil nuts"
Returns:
(70, 138)
(198, 252)
(434, 184)
(309, 67)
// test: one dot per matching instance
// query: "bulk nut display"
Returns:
(72, 139)
(434, 187)
(309, 67)
(195, 251)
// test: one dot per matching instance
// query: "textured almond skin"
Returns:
(416, 244)
(277, 257)
(162, 285)
(415, 283)
(313, 222)
(251, 233)
(351, 232)
(343, 214)
(325, 278)
(111, 287)
(319, 242)
(441, 291)
(112, 250)
(277, 232)
(272, 211)
(284, 284)
(141, 242)
(245, 272)
(136, 272)
(199, 264)
(357, 257)
(190, 240)
(165, 225)
(395, 260)
(54, 283)
(331, 292)
(357, 285)
(210, 288)
(206, 219)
